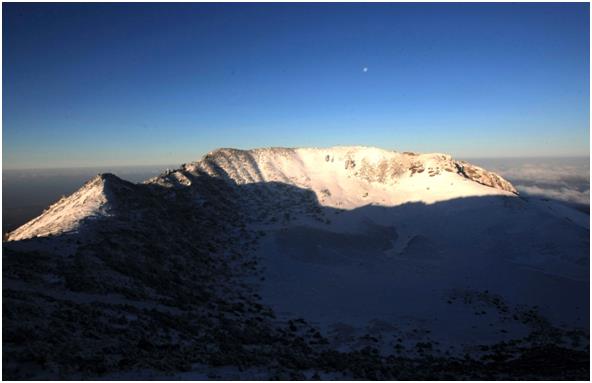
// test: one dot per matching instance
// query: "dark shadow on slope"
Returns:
(160, 285)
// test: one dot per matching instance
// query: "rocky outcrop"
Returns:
(482, 176)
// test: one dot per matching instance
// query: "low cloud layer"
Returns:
(560, 193)
(565, 179)
(548, 173)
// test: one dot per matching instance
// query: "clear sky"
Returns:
(116, 84)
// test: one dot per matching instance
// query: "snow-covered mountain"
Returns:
(343, 262)
(341, 177)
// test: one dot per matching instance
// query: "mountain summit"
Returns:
(98, 198)
(354, 176)
(341, 177)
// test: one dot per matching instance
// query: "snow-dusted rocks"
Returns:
(91, 201)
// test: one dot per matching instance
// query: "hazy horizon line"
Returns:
(153, 165)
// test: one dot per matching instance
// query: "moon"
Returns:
(365, 69)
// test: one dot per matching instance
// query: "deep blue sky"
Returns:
(115, 84)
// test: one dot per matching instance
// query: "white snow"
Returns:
(66, 215)
(353, 176)
(347, 273)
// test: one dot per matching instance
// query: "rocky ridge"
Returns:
(288, 179)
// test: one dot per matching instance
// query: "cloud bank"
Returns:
(566, 179)
(561, 193)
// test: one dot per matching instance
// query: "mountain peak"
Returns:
(345, 177)
(355, 175)
(93, 200)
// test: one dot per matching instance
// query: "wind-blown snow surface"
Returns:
(403, 253)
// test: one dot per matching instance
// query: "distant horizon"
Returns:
(154, 165)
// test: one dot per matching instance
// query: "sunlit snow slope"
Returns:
(349, 177)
